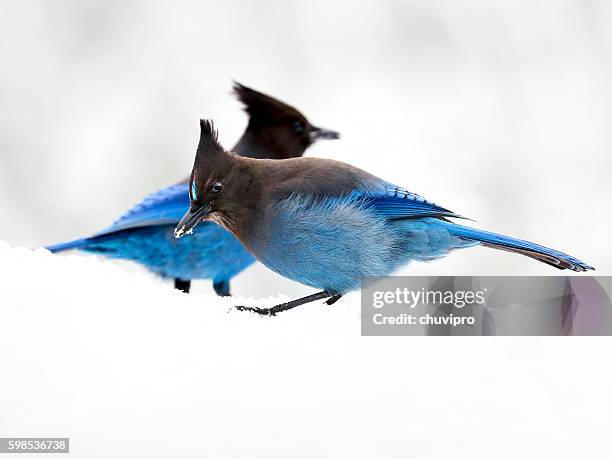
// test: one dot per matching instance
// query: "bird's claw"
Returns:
(256, 310)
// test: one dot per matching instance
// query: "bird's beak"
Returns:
(317, 133)
(190, 220)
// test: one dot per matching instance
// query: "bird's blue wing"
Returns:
(396, 203)
(164, 207)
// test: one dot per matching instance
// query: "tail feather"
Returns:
(76, 244)
(551, 257)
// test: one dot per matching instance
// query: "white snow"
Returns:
(127, 367)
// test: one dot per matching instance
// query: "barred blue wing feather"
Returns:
(398, 203)
(164, 207)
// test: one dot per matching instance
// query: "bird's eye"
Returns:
(194, 192)
(216, 187)
(298, 127)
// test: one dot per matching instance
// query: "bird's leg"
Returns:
(333, 299)
(290, 305)
(222, 287)
(182, 285)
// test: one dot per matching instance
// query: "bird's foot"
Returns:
(291, 304)
(256, 310)
(182, 285)
(222, 287)
(333, 299)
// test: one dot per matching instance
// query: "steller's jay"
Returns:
(327, 224)
(144, 234)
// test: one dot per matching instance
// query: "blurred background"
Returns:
(498, 110)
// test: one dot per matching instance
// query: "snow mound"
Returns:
(128, 367)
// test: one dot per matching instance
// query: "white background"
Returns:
(498, 110)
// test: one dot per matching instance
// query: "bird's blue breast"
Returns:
(331, 243)
(210, 252)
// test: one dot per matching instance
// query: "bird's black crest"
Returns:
(257, 103)
(209, 137)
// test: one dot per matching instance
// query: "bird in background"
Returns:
(145, 233)
(327, 224)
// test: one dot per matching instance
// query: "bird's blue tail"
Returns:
(76, 244)
(552, 257)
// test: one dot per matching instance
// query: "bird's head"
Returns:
(276, 130)
(219, 185)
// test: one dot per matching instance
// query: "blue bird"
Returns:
(327, 224)
(145, 234)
